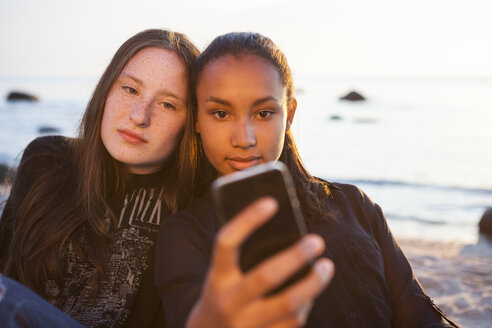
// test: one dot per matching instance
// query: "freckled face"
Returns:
(145, 110)
(242, 112)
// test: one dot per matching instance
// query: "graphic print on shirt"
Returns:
(139, 203)
(138, 217)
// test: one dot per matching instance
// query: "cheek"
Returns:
(117, 105)
(214, 135)
(112, 117)
(109, 113)
(105, 124)
(277, 142)
(208, 142)
(170, 129)
(213, 142)
(273, 138)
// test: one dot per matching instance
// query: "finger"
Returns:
(274, 271)
(304, 290)
(290, 322)
(291, 300)
(295, 319)
(298, 319)
(235, 232)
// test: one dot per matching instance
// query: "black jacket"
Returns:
(373, 286)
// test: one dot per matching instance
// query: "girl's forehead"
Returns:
(232, 66)
(233, 59)
(240, 81)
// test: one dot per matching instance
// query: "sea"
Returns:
(420, 147)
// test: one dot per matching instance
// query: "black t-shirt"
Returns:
(373, 284)
(126, 296)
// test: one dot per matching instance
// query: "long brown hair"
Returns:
(45, 220)
(311, 190)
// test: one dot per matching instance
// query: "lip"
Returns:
(241, 163)
(131, 137)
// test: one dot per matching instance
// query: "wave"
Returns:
(403, 184)
(414, 218)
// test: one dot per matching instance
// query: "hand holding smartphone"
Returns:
(233, 192)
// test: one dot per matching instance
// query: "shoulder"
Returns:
(49, 143)
(348, 189)
(344, 190)
(199, 216)
(353, 197)
(43, 155)
(368, 213)
(47, 149)
(185, 239)
(351, 193)
(192, 228)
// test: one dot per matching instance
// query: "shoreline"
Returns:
(457, 276)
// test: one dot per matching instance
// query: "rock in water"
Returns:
(485, 224)
(48, 129)
(353, 96)
(17, 95)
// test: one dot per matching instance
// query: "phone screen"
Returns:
(285, 228)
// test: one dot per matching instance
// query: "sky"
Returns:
(343, 37)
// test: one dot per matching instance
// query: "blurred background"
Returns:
(419, 144)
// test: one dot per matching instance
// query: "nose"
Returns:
(140, 114)
(243, 135)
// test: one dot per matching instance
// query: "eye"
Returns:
(264, 113)
(221, 114)
(130, 90)
(168, 105)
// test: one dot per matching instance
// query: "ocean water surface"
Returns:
(419, 147)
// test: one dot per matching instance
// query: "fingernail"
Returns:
(324, 268)
(268, 203)
(311, 245)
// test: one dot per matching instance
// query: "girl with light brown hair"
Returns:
(79, 225)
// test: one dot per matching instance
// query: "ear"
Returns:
(291, 111)
(197, 127)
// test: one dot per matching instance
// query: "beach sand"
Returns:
(457, 277)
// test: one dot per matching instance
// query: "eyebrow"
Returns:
(255, 103)
(132, 77)
(140, 82)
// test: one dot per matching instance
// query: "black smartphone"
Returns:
(233, 192)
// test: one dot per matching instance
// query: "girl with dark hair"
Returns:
(244, 107)
(79, 225)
